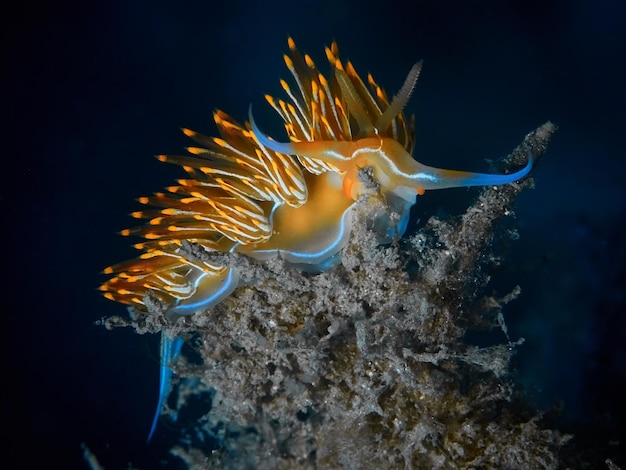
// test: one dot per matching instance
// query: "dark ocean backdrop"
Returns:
(91, 90)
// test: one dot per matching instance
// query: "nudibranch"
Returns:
(248, 193)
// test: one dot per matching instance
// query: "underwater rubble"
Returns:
(366, 365)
